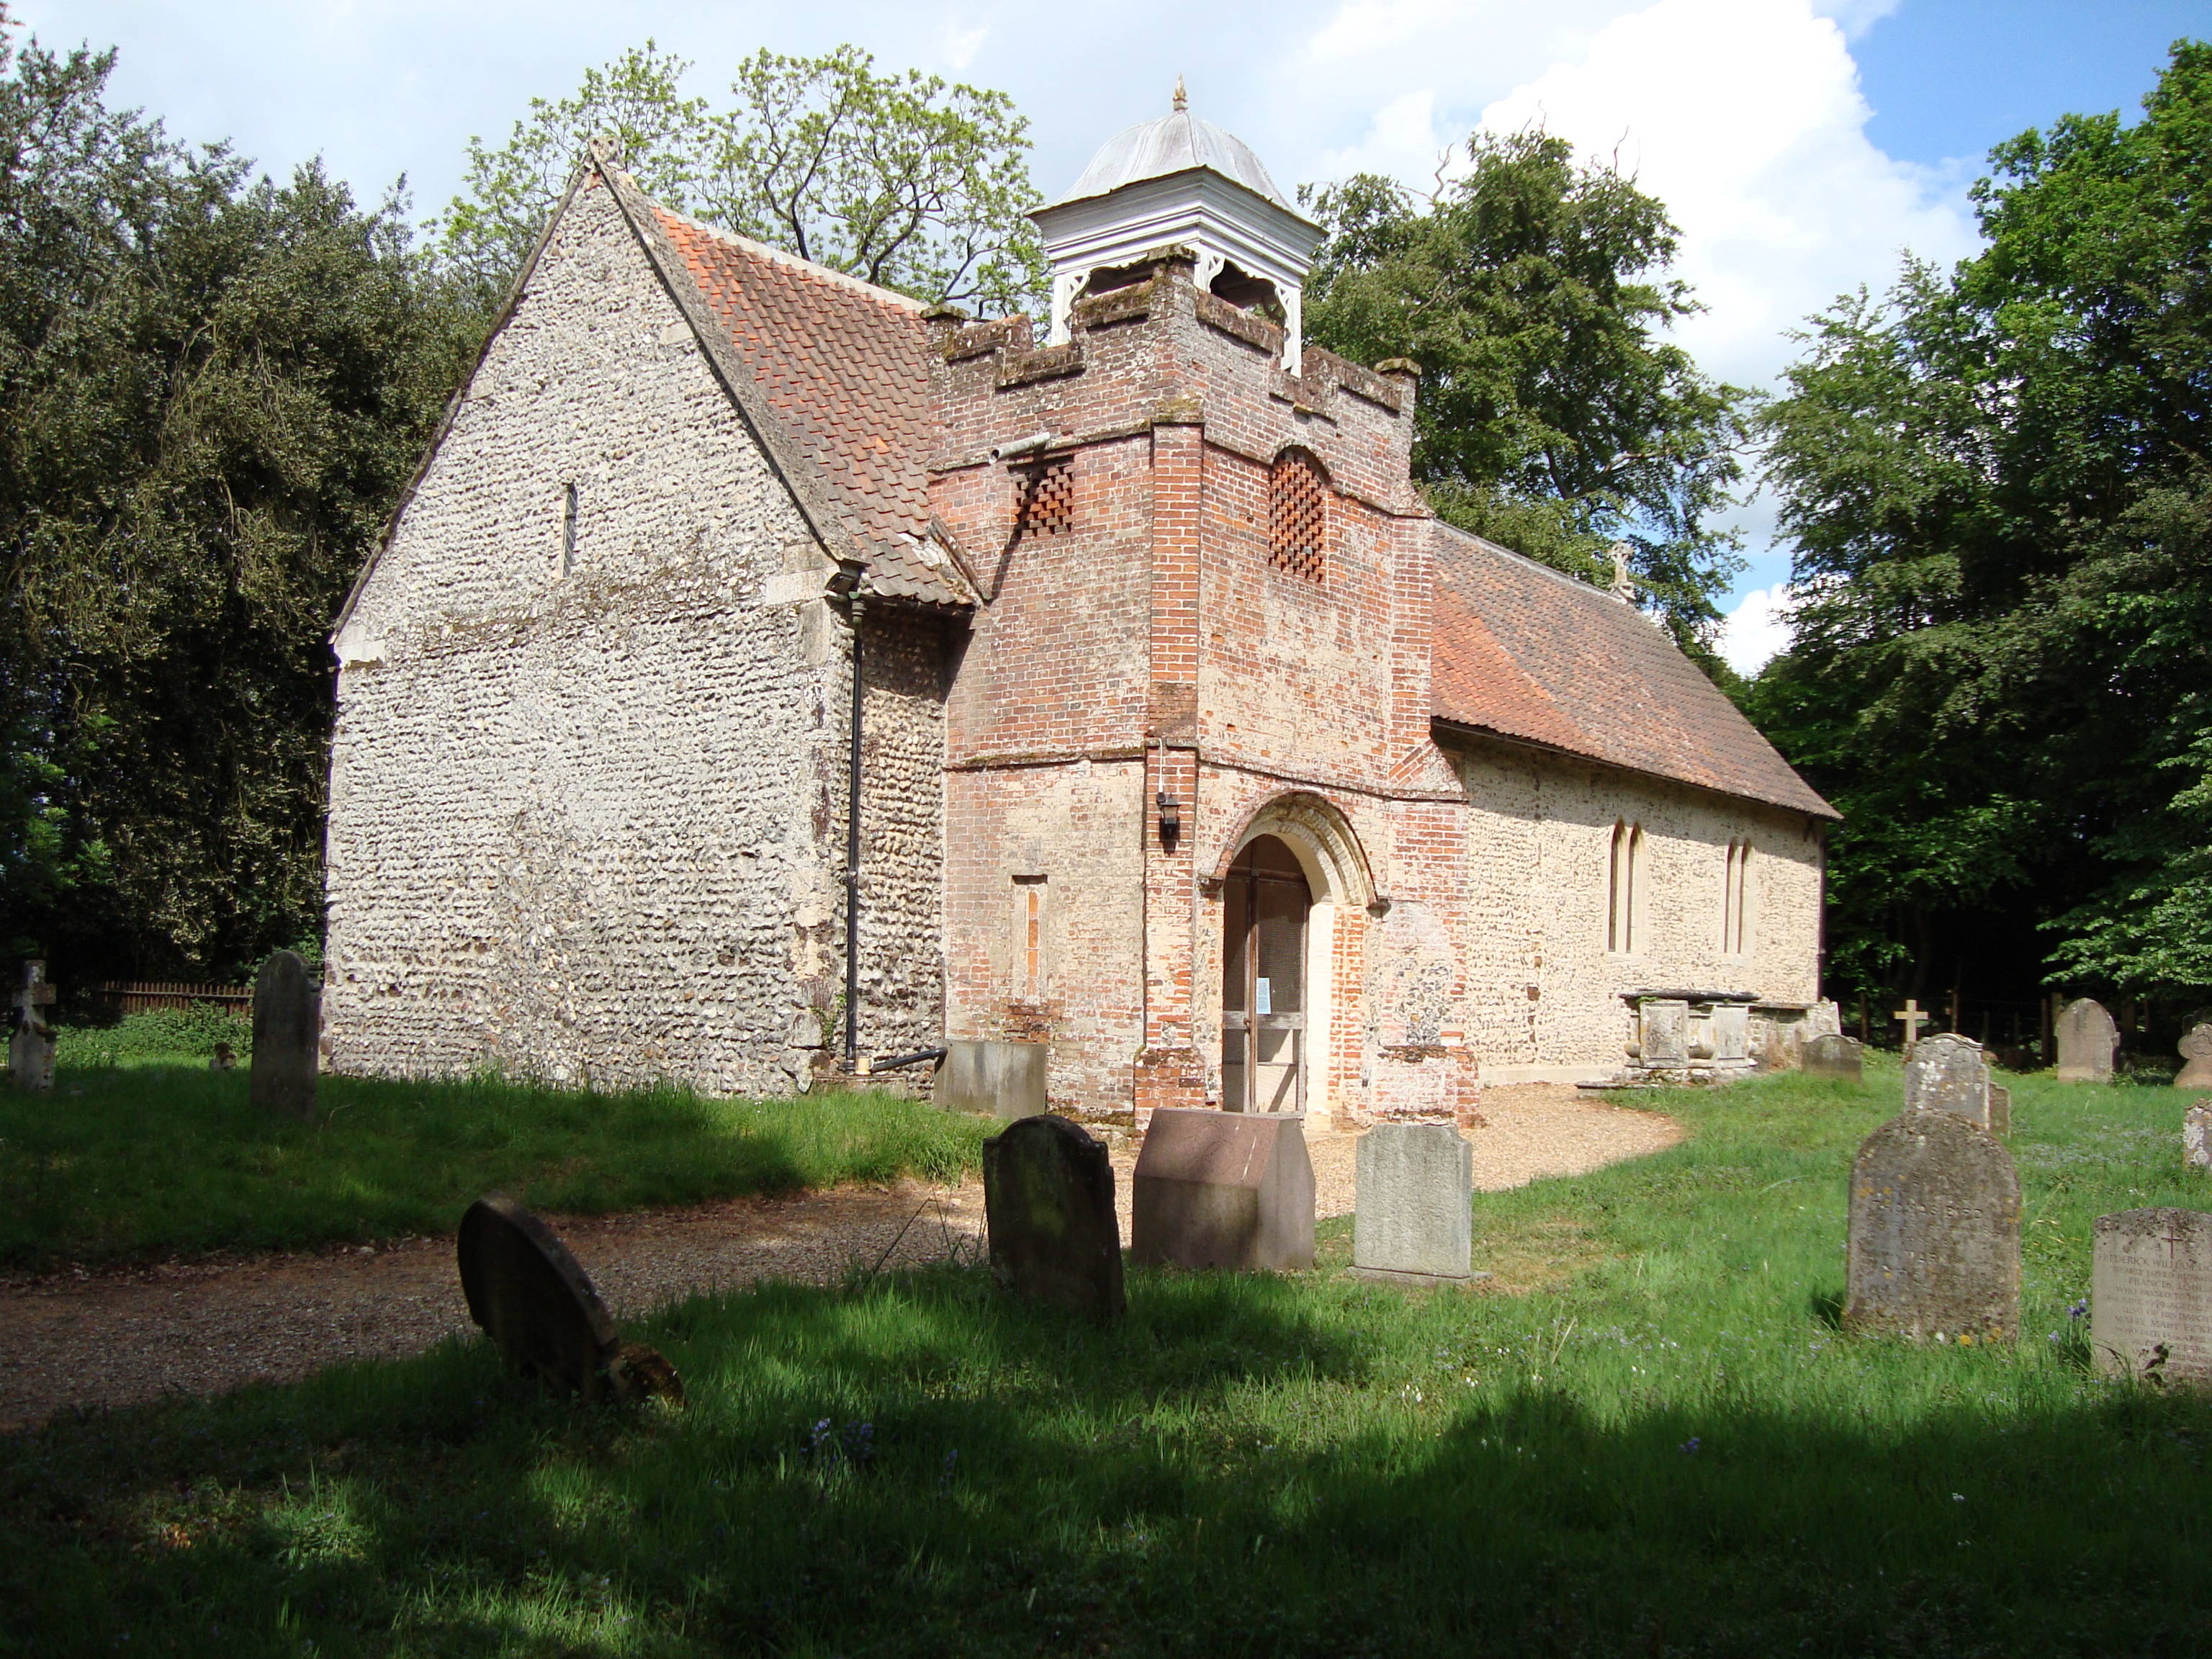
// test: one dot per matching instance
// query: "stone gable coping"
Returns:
(1040, 364)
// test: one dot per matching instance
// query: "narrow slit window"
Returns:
(568, 529)
(1736, 900)
(1628, 854)
(1029, 938)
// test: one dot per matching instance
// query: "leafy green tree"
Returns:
(211, 391)
(905, 180)
(1996, 485)
(1554, 417)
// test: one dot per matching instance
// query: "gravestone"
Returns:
(1222, 1189)
(1048, 1202)
(2197, 1051)
(2150, 1295)
(2196, 1135)
(1947, 1073)
(1002, 1079)
(1666, 1032)
(1415, 1217)
(1834, 1056)
(535, 1303)
(2087, 1038)
(2000, 1110)
(31, 1046)
(287, 1025)
(1934, 1232)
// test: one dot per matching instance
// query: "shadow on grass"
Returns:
(129, 1163)
(1245, 1466)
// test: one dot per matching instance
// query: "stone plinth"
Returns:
(1222, 1189)
(1048, 1196)
(1415, 1217)
(1934, 1232)
(1002, 1079)
(2150, 1297)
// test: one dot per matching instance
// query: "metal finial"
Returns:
(1181, 98)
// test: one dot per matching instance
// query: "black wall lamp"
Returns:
(1170, 822)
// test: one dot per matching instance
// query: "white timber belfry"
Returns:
(1179, 181)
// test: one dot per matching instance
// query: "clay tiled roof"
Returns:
(845, 367)
(1531, 655)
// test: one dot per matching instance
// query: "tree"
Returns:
(1996, 484)
(908, 181)
(211, 391)
(1552, 417)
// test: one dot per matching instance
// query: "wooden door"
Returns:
(1263, 1001)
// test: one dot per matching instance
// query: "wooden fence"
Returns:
(142, 996)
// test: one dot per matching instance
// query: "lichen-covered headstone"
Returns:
(287, 1026)
(1833, 1056)
(1934, 1232)
(1415, 1219)
(535, 1303)
(31, 1046)
(2086, 1038)
(1222, 1189)
(1049, 1198)
(2196, 1135)
(2150, 1296)
(2197, 1053)
(1947, 1073)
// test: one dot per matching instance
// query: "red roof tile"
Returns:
(845, 366)
(1530, 654)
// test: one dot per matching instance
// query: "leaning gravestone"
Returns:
(1415, 1218)
(2150, 1295)
(2087, 1038)
(287, 1026)
(535, 1303)
(2196, 1136)
(1834, 1056)
(1947, 1073)
(1934, 1232)
(2197, 1050)
(1222, 1189)
(1048, 1202)
(31, 1048)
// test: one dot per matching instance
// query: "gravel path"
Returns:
(117, 1338)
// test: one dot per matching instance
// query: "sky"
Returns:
(1802, 146)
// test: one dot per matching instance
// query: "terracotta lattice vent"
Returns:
(1046, 505)
(1297, 516)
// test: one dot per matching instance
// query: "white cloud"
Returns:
(960, 46)
(1756, 629)
(1745, 118)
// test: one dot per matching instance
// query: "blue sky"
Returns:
(1802, 145)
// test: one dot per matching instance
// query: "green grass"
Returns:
(1665, 1449)
(122, 1161)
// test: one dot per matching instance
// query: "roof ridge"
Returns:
(1577, 583)
(829, 274)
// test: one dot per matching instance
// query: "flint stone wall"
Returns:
(588, 825)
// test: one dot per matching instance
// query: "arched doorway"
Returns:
(1266, 904)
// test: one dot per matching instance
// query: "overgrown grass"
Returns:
(157, 1036)
(120, 1161)
(1672, 1450)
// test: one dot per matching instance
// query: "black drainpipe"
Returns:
(852, 859)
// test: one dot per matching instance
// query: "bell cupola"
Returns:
(1181, 180)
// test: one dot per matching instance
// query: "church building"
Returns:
(768, 675)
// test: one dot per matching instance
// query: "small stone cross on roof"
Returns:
(1623, 585)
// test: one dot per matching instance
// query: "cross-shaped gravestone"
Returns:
(31, 1049)
(1914, 1016)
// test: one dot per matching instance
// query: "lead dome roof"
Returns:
(1175, 142)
